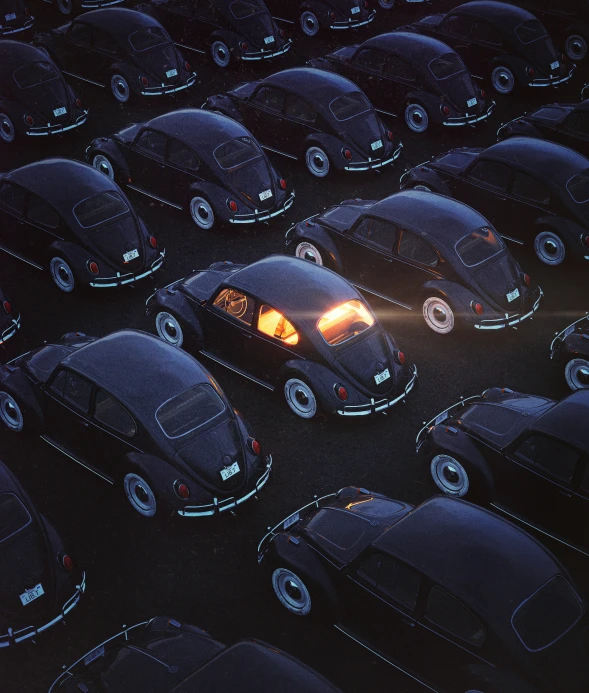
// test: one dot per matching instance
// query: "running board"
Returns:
(154, 197)
(97, 84)
(75, 459)
(20, 257)
(277, 151)
(513, 240)
(236, 370)
(384, 298)
(189, 48)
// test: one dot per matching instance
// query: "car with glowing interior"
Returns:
(491, 607)
(292, 327)
(526, 456)
(534, 192)
(172, 442)
(120, 49)
(312, 115)
(84, 232)
(9, 319)
(313, 15)
(501, 42)
(228, 30)
(200, 162)
(15, 17)
(571, 347)
(39, 582)
(424, 252)
(413, 76)
(35, 99)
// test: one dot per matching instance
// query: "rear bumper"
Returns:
(264, 55)
(95, 4)
(56, 129)
(510, 320)
(120, 279)
(352, 23)
(551, 81)
(10, 331)
(10, 31)
(469, 120)
(160, 91)
(374, 407)
(262, 216)
(376, 163)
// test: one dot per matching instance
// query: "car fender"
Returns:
(76, 254)
(321, 378)
(179, 306)
(319, 236)
(573, 28)
(108, 147)
(215, 193)
(129, 72)
(224, 104)
(516, 64)
(331, 144)
(426, 175)
(158, 472)
(458, 296)
(322, 64)
(567, 229)
(228, 37)
(576, 345)
(430, 101)
(13, 381)
(519, 128)
(15, 111)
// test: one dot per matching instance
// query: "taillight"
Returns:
(347, 154)
(29, 120)
(341, 392)
(7, 307)
(66, 562)
(483, 94)
(477, 308)
(232, 204)
(182, 490)
(586, 241)
(244, 46)
(79, 103)
(531, 72)
(282, 33)
(390, 135)
(153, 242)
(283, 183)
(92, 267)
(445, 110)
(144, 81)
(27, 11)
(332, 16)
(254, 446)
(400, 357)
(527, 278)
(187, 67)
(366, 4)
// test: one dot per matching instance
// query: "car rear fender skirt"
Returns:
(18, 385)
(321, 379)
(567, 229)
(319, 237)
(430, 101)
(110, 149)
(457, 295)
(223, 104)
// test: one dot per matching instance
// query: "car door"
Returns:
(182, 167)
(399, 78)
(43, 229)
(530, 200)
(574, 132)
(416, 261)
(147, 165)
(78, 52)
(262, 115)
(105, 51)
(366, 70)
(484, 186)
(13, 227)
(487, 44)
(299, 120)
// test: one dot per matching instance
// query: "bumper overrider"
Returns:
(441, 417)
(10, 331)
(376, 406)
(469, 119)
(352, 23)
(170, 89)
(510, 319)
(224, 504)
(374, 163)
(551, 81)
(120, 279)
(56, 129)
(13, 637)
(264, 55)
(560, 337)
(258, 215)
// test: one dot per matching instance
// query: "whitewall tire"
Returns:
(309, 23)
(438, 315)
(120, 88)
(317, 162)
(202, 213)
(291, 591)
(502, 80)
(416, 117)
(307, 251)
(576, 374)
(550, 248)
(62, 274)
(103, 164)
(7, 129)
(220, 54)
(169, 329)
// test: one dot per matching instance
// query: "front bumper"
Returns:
(10, 331)
(9, 31)
(376, 163)
(13, 637)
(440, 418)
(509, 320)
(374, 407)
(469, 119)
(264, 55)
(560, 337)
(220, 506)
(163, 89)
(352, 23)
(96, 4)
(120, 279)
(56, 129)
(262, 216)
(551, 81)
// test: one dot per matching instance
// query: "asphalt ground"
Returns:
(204, 571)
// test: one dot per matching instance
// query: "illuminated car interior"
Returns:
(273, 323)
(344, 321)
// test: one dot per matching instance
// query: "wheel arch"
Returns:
(321, 238)
(16, 384)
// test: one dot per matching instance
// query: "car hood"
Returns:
(252, 179)
(456, 160)
(111, 241)
(343, 216)
(496, 278)
(550, 114)
(363, 358)
(157, 61)
(361, 132)
(41, 100)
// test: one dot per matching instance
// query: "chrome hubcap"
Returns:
(549, 248)
(102, 164)
(62, 274)
(300, 398)
(10, 412)
(140, 495)
(309, 23)
(307, 251)
(317, 162)
(291, 591)
(6, 129)
(449, 475)
(577, 374)
(169, 329)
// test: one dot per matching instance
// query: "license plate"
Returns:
(131, 255)
(512, 295)
(269, 39)
(290, 521)
(60, 111)
(355, 10)
(229, 471)
(376, 145)
(471, 102)
(171, 73)
(440, 417)
(381, 377)
(10, 17)
(265, 195)
(555, 65)
(32, 594)
(569, 330)
(95, 654)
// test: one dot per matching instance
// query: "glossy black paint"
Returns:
(15, 18)
(571, 348)
(312, 15)
(71, 8)
(9, 318)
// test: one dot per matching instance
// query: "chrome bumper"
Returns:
(440, 418)
(7, 31)
(87, 4)
(382, 404)
(352, 23)
(561, 336)
(264, 55)
(469, 120)
(121, 279)
(377, 163)
(160, 91)
(10, 330)
(509, 320)
(261, 216)
(551, 81)
(56, 129)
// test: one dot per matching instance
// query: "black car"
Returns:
(203, 163)
(424, 252)
(171, 441)
(85, 233)
(74, 7)
(571, 346)
(228, 30)
(194, 661)
(563, 123)
(526, 456)
(312, 15)
(533, 191)
(452, 595)
(123, 50)
(35, 99)
(9, 319)
(313, 115)
(39, 582)
(420, 78)
(500, 41)
(290, 326)
(15, 17)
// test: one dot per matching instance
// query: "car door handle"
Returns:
(83, 423)
(565, 493)
(245, 334)
(501, 198)
(408, 621)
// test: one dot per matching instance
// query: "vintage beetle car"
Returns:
(526, 456)
(15, 17)
(194, 662)
(500, 41)
(425, 252)
(491, 608)
(289, 326)
(229, 30)
(563, 123)
(9, 319)
(312, 15)
(123, 50)
(74, 7)
(530, 189)
(85, 233)
(313, 115)
(35, 99)
(39, 583)
(172, 441)
(571, 346)
(412, 75)
(200, 162)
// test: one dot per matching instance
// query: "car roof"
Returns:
(567, 420)
(501, 14)
(14, 54)
(117, 21)
(422, 48)
(316, 85)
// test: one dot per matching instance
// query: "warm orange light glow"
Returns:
(273, 323)
(349, 506)
(344, 321)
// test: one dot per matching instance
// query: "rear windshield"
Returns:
(349, 106)
(34, 73)
(236, 152)
(530, 31)
(13, 515)
(100, 208)
(446, 65)
(148, 37)
(478, 246)
(578, 187)
(345, 321)
(189, 410)
(245, 8)
(548, 614)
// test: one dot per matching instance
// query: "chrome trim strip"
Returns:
(154, 197)
(375, 293)
(430, 423)
(75, 459)
(513, 240)
(277, 151)
(71, 74)
(375, 407)
(188, 48)
(559, 335)
(500, 323)
(236, 370)
(20, 257)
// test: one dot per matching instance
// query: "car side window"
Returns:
(491, 173)
(153, 143)
(391, 578)
(399, 69)
(13, 197)
(110, 413)
(377, 232)
(39, 212)
(529, 188)
(578, 122)
(454, 25)
(486, 33)
(104, 42)
(74, 389)
(446, 612)
(236, 304)
(550, 455)
(181, 155)
(370, 59)
(268, 97)
(80, 34)
(300, 109)
(273, 323)
(415, 248)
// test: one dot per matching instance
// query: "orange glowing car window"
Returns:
(273, 323)
(344, 321)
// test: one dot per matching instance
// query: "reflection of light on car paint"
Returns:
(349, 506)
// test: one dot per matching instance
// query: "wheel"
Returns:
(10, 412)
(449, 476)
(576, 373)
(140, 494)
(307, 251)
(416, 117)
(202, 213)
(169, 329)
(550, 248)
(62, 274)
(386, 4)
(291, 591)
(317, 161)
(300, 398)
(7, 131)
(102, 163)
(438, 315)
(421, 186)
(220, 53)
(576, 47)
(65, 7)
(503, 80)
(120, 88)
(309, 23)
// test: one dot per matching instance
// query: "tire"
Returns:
(7, 129)
(140, 494)
(502, 80)
(550, 248)
(62, 274)
(300, 398)
(308, 251)
(317, 162)
(575, 47)
(416, 117)
(103, 164)
(576, 373)
(202, 213)
(10, 412)
(421, 186)
(386, 4)
(66, 7)
(220, 53)
(169, 328)
(120, 88)
(438, 315)
(450, 476)
(291, 591)
(309, 23)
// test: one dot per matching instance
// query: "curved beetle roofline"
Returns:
(118, 21)
(502, 15)
(15, 54)
(404, 43)
(567, 420)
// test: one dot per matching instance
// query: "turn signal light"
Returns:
(153, 241)
(477, 308)
(341, 392)
(527, 279)
(254, 446)
(67, 563)
(445, 110)
(144, 81)
(347, 154)
(29, 120)
(283, 183)
(93, 267)
(232, 205)
(7, 307)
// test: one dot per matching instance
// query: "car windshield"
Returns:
(236, 152)
(148, 37)
(344, 322)
(349, 106)
(189, 410)
(478, 246)
(245, 8)
(13, 516)
(530, 31)
(578, 187)
(446, 66)
(548, 614)
(34, 73)
(100, 208)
